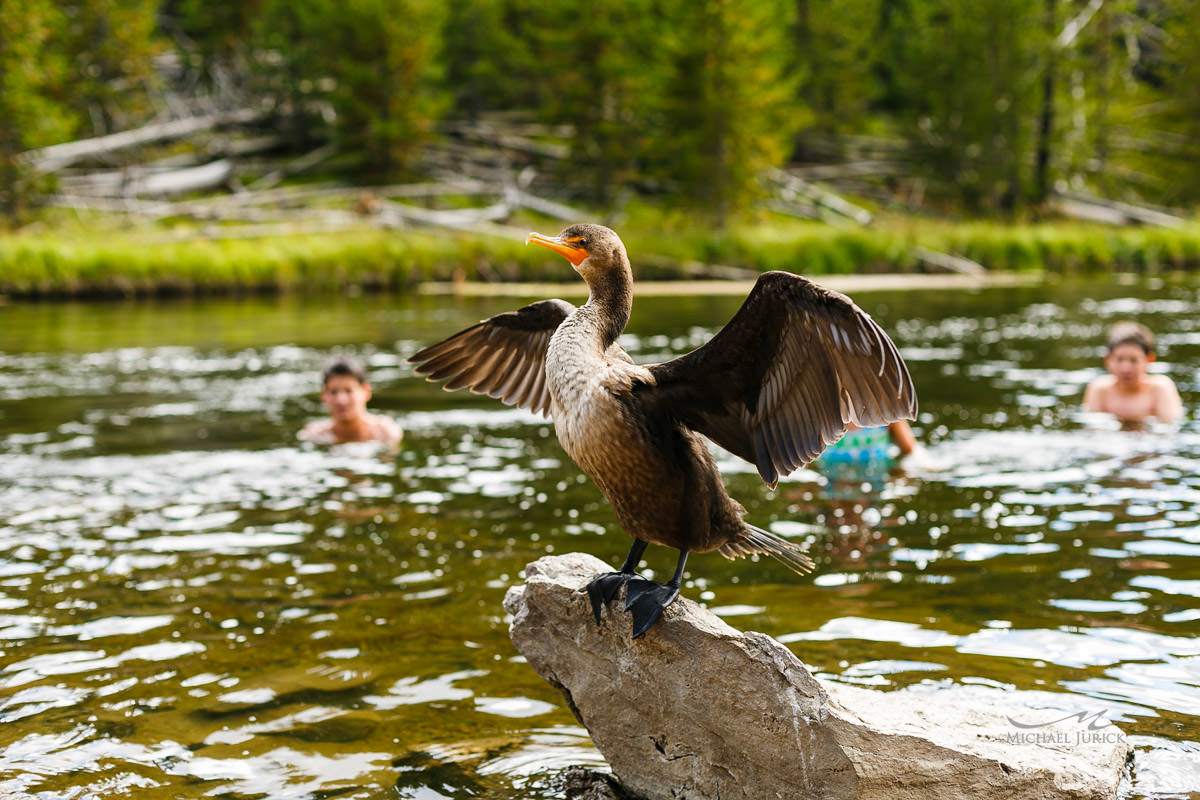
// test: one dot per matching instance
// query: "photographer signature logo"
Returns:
(1088, 728)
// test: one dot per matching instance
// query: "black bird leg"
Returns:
(646, 599)
(604, 587)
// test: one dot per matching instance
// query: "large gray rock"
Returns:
(696, 709)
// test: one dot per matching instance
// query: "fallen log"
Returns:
(835, 172)
(501, 136)
(121, 205)
(152, 181)
(450, 218)
(294, 167)
(181, 181)
(470, 220)
(515, 127)
(550, 208)
(257, 231)
(1111, 212)
(151, 210)
(1087, 211)
(951, 263)
(799, 198)
(791, 187)
(55, 157)
(236, 147)
(699, 269)
(798, 210)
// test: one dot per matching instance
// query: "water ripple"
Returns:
(194, 604)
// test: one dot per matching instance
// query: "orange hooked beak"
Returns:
(570, 249)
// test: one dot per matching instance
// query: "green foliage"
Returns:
(1105, 92)
(1070, 248)
(1182, 92)
(367, 67)
(835, 61)
(727, 103)
(488, 64)
(998, 101)
(218, 37)
(587, 80)
(966, 76)
(110, 45)
(128, 265)
(30, 72)
(661, 247)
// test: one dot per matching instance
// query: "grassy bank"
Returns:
(65, 263)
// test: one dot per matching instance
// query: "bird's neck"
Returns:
(609, 304)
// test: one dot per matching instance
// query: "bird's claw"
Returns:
(645, 600)
(604, 588)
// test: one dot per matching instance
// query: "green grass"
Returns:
(82, 261)
(1069, 248)
(128, 264)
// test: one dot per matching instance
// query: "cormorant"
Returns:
(778, 383)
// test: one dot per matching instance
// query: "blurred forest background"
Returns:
(1010, 110)
(987, 106)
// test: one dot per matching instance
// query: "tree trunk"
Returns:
(1045, 128)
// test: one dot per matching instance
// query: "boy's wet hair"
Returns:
(344, 366)
(1131, 333)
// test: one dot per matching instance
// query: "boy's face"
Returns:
(345, 397)
(1128, 363)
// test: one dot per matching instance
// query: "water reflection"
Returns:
(194, 604)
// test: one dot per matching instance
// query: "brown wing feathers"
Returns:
(874, 395)
(503, 357)
(785, 376)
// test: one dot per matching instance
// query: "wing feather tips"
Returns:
(503, 356)
(444, 359)
(763, 460)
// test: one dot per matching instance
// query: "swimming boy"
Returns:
(345, 392)
(1128, 391)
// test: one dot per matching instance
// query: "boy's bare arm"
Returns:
(1093, 396)
(1168, 406)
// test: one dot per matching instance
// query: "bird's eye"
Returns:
(582, 243)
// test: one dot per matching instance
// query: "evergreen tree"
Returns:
(596, 73)
(366, 67)
(487, 61)
(216, 40)
(31, 69)
(1100, 97)
(967, 84)
(1001, 101)
(728, 106)
(111, 46)
(835, 57)
(1180, 144)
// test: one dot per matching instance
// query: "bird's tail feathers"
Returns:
(756, 540)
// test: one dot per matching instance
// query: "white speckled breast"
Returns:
(596, 430)
(581, 380)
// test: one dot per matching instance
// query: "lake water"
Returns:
(193, 604)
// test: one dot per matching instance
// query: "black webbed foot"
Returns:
(645, 600)
(603, 588)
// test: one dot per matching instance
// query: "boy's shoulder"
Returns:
(320, 431)
(1159, 380)
(386, 428)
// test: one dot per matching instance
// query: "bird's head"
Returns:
(596, 252)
